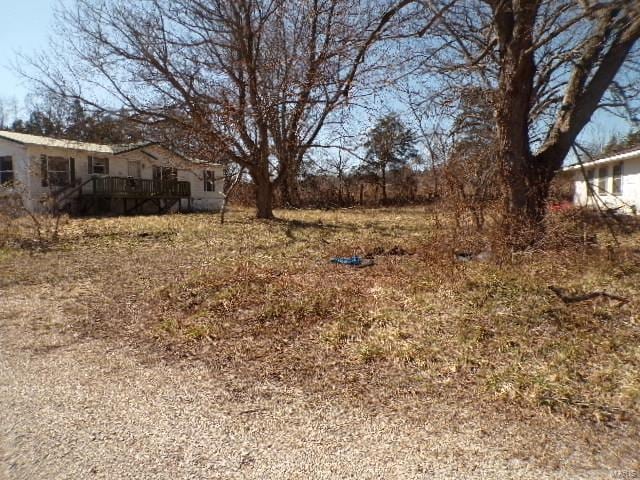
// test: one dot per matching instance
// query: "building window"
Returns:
(98, 166)
(209, 181)
(591, 175)
(616, 187)
(57, 171)
(603, 174)
(133, 169)
(165, 173)
(6, 170)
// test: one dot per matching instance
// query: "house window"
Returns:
(603, 173)
(165, 173)
(57, 171)
(591, 175)
(98, 166)
(133, 169)
(616, 187)
(6, 170)
(209, 181)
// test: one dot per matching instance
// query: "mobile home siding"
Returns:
(27, 165)
(627, 200)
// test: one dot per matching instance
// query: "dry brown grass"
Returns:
(262, 298)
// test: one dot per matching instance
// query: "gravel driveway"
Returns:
(75, 408)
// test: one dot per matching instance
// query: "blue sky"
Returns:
(27, 25)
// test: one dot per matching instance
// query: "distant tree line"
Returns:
(389, 172)
(73, 121)
(618, 143)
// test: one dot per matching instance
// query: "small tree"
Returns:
(471, 175)
(390, 145)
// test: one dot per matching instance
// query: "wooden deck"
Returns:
(126, 187)
(123, 195)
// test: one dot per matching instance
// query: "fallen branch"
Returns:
(252, 410)
(562, 294)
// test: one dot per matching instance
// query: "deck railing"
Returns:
(138, 187)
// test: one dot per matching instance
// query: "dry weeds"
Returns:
(261, 298)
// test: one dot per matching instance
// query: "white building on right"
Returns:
(614, 181)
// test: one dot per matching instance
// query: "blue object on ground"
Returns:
(355, 260)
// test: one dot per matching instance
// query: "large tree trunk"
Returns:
(264, 193)
(524, 206)
(527, 190)
(289, 187)
(526, 186)
(264, 200)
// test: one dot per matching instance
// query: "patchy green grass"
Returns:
(262, 298)
(6, 253)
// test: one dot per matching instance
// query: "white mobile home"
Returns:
(611, 182)
(95, 178)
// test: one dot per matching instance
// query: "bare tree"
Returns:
(435, 133)
(20, 224)
(551, 64)
(320, 49)
(232, 176)
(252, 82)
(471, 173)
(328, 179)
(339, 167)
